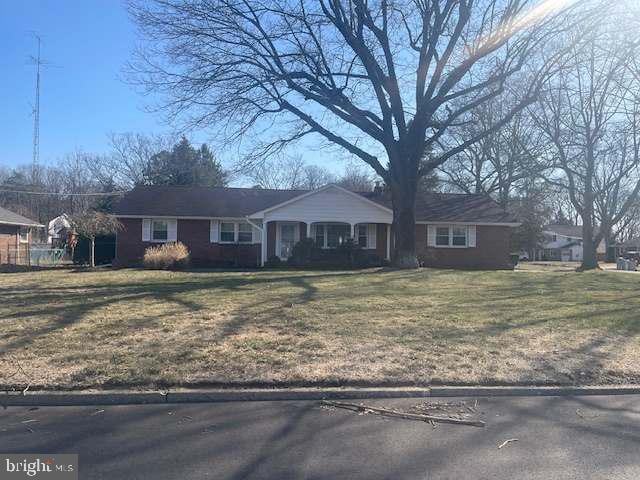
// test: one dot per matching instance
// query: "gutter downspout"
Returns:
(262, 239)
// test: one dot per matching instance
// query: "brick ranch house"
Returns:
(226, 226)
(15, 237)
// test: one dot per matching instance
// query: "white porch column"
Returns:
(388, 242)
(308, 222)
(263, 243)
(353, 230)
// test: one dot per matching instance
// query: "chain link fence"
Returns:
(41, 255)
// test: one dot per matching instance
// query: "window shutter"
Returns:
(146, 229)
(214, 235)
(172, 230)
(431, 235)
(371, 236)
(471, 232)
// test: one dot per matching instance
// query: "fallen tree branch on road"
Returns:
(408, 416)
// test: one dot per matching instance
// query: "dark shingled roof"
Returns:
(452, 207)
(171, 201)
(240, 202)
(12, 218)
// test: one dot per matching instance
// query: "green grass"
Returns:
(66, 329)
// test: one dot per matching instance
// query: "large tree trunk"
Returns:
(404, 224)
(589, 254)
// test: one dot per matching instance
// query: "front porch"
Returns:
(282, 235)
(330, 216)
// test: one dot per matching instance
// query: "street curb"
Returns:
(254, 395)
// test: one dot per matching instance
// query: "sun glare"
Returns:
(534, 15)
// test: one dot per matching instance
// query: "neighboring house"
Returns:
(564, 243)
(58, 230)
(228, 225)
(15, 237)
(631, 245)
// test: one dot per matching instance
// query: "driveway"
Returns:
(557, 438)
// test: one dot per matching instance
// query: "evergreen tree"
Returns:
(184, 165)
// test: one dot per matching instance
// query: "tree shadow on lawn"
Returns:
(72, 303)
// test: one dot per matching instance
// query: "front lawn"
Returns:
(65, 329)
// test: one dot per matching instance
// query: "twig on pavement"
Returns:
(408, 416)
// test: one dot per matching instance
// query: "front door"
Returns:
(287, 239)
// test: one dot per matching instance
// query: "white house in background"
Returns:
(57, 229)
(564, 243)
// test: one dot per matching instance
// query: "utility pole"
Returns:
(36, 115)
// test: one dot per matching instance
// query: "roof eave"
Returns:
(469, 222)
(20, 224)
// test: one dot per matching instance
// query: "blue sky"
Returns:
(82, 95)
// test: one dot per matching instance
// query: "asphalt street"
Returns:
(557, 438)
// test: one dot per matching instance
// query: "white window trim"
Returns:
(157, 240)
(26, 240)
(366, 235)
(324, 245)
(236, 233)
(147, 229)
(251, 228)
(450, 245)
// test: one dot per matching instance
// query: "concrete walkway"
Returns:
(558, 438)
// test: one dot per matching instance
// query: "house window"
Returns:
(330, 235)
(459, 236)
(159, 231)
(319, 235)
(23, 235)
(362, 235)
(227, 232)
(245, 233)
(337, 234)
(452, 236)
(442, 236)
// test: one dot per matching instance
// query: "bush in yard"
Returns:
(303, 253)
(273, 262)
(167, 256)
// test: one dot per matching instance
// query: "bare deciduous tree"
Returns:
(383, 80)
(617, 180)
(290, 173)
(583, 107)
(501, 163)
(91, 224)
(130, 157)
(357, 179)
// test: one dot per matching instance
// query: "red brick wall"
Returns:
(491, 251)
(195, 235)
